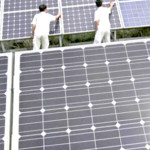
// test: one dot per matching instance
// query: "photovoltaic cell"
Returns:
(5, 101)
(135, 13)
(86, 97)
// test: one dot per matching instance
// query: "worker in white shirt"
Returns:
(102, 23)
(40, 27)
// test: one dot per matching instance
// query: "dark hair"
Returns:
(98, 3)
(42, 7)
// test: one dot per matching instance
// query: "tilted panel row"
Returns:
(77, 16)
(85, 97)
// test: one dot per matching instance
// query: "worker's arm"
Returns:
(33, 29)
(58, 16)
(111, 5)
(96, 25)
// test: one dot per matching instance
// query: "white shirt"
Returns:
(102, 15)
(42, 22)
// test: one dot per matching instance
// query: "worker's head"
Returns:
(99, 3)
(42, 7)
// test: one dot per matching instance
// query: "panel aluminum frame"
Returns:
(7, 115)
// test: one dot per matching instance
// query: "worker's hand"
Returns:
(58, 15)
(31, 36)
(112, 4)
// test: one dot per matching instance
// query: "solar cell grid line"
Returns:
(124, 89)
(66, 107)
(1, 20)
(142, 122)
(117, 125)
(74, 117)
(135, 13)
(5, 97)
(90, 105)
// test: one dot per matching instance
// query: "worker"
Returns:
(41, 27)
(102, 23)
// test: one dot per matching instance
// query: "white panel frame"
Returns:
(1, 18)
(7, 133)
(15, 128)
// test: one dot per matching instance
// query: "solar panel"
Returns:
(135, 13)
(91, 97)
(76, 2)
(80, 2)
(26, 5)
(81, 18)
(18, 24)
(18, 16)
(5, 100)
(77, 16)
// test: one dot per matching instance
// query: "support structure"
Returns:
(60, 40)
(3, 47)
(115, 35)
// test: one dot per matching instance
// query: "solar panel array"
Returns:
(5, 99)
(92, 97)
(77, 16)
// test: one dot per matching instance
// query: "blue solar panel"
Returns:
(18, 16)
(18, 25)
(135, 13)
(26, 5)
(77, 16)
(80, 2)
(81, 18)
